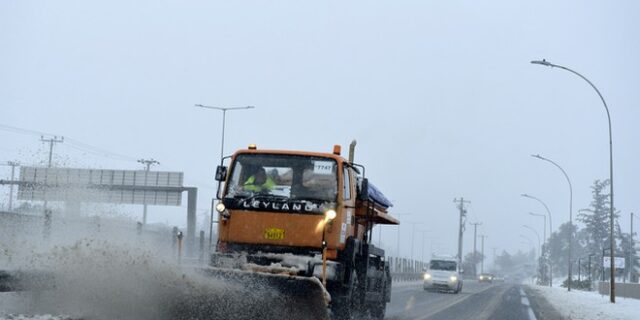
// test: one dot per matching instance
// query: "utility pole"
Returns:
(51, 143)
(47, 212)
(148, 163)
(482, 252)
(494, 257)
(463, 215)
(632, 267)
(15, 164)
(475, 261)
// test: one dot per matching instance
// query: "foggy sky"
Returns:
(440, 96)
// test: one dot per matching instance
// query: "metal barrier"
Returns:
(626, 290)
(405, 276)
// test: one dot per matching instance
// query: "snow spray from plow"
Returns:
(97, 278)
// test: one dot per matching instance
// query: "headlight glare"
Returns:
(453, 278)
(330, 214)
(220, 207)
(427, 276)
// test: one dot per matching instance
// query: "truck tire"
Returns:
(346, 305)
(377, 310)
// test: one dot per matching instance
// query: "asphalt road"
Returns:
(476, 301)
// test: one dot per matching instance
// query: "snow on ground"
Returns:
(589, 305)
(37, 317)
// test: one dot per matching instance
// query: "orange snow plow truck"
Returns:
(298, 225)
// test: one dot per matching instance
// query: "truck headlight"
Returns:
(220, 207)
(330, 214)
(427, 276)
(453, 278)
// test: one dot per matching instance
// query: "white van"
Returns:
(443, 275)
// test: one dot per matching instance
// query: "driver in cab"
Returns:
(259, 182)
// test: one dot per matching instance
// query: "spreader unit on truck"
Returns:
(302, 222)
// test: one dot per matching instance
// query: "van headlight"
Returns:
(427, 276)
(453, 278)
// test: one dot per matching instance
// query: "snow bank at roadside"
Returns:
(585, 305)
(34, 317)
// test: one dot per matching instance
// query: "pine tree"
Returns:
(596, 219)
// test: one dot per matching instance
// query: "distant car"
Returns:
(443, 275)
(486, 277)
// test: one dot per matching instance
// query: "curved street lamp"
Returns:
(224, 116)
(570, 213)
(544, 225)
(535, 232)
(612, 284)
(529, 240)
(550, 231)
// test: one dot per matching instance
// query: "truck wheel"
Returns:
(377, 310)
(346, 306)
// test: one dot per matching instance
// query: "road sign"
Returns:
(618, 262)
(101, 185)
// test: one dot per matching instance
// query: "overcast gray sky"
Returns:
(440, 96)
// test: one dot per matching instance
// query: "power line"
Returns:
(73, 143)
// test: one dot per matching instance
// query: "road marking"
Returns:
(525, 301)
(451, 304)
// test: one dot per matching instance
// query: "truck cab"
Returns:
(443, 275)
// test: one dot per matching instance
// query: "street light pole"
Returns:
(544, 226)
(413, 231)
(475, 258)
(482, 236)
(612, 285)
(550, 232)
(530, 241)
(536, 233)
(398, 239)
(424, 232)
(570, 213)
(224, 116)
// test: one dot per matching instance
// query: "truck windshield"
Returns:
(283, 178)
(443, 265)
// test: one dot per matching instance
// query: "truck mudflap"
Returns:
(258, 295)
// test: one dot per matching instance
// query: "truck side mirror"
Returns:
(221, 173)
(363, 194)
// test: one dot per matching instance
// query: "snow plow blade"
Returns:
(256, 295)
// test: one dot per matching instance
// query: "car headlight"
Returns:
(481, 278)
(427, 276)
(453, 278)
(220, 207)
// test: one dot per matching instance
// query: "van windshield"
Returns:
(442, 265)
